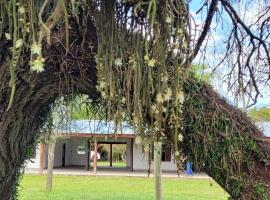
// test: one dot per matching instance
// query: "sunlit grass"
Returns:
(107, 164)
(117, 188)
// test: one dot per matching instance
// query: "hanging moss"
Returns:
(222, 142)
(23, 29)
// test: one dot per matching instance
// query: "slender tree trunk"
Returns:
(157, 170)
(51, 149)
(149, 162)
(95, 156)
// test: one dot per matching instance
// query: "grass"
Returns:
(116, 188)
(107, 163)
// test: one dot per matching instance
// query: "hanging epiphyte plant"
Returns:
(24, 24)
(142, 61)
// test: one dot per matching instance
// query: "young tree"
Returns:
(51, 150)
(136, 57)
(157, 170)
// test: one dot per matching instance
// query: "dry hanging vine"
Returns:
(23, 28)
(142, 62)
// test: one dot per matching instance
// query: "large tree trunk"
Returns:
(218, 138)
(65, 73)
(225, 143)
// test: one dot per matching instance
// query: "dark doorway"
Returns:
(63, 155)
(166, 153)
(112, 154)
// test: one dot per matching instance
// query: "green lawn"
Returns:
(116, 188)
(107, 164)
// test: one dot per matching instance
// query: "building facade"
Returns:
(76, 145)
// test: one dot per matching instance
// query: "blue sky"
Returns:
(195, 5)
(211, 61)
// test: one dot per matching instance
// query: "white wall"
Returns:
(140, 161)
(58, 153)
(59, 150)
(75, 158)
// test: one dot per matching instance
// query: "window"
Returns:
(166, 154)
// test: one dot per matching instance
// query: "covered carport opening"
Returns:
(85, 152)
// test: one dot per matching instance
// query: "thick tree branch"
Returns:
(56, 16)
(235, 17)
(206, 28)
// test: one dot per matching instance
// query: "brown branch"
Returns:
(206, 28)
(56, 16)
(239, 43)
(235, 17)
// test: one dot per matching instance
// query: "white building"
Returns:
(73, 148)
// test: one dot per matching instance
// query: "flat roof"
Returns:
(101, 128)
(94, 127)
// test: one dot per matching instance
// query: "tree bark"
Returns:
(51, 148)
(157, 170)
(65, 73)
(222, 141)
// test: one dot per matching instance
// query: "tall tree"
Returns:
(135, 57)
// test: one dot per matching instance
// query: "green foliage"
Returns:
(203, 73)
(260, 114)
(47, 129)
(81, 107)
(30, 152)
(259, 191)
(80, 113)
(117, 149)
(216, 141)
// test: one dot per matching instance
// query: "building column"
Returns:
(41, 158)
(131, 154)
(88, 152)
(95, 156)
(110, 155)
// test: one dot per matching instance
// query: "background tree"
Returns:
(260, 114)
